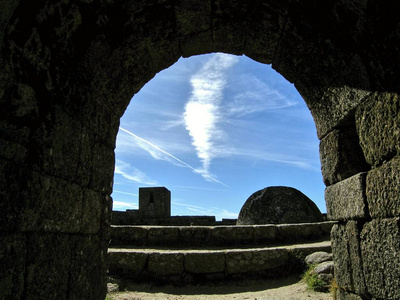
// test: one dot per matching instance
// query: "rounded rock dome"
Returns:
(278, 205)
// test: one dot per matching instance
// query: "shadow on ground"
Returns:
(218, 288)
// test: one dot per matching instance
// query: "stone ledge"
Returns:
(255, 261)
(188, 264)
(205, 262)
(177, 236)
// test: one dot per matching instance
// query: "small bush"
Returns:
(313, 282)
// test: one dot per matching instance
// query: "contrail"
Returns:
(170, 155)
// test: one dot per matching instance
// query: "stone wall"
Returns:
(132, 218)
(366, 242)
(69, 69)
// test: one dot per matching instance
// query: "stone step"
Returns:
(191, 265)
(202, 236)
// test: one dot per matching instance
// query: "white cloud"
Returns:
(279, 158)
(198, 188)
(172, 124)
(126, 145)
(158, 153)
(133, 174)
(255, 96)
(123, 205)
(125, 193)
(152, 149)
(202, 111)
(211, 211)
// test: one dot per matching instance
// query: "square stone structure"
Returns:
(154, 202)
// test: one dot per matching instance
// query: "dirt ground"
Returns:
(291, 288)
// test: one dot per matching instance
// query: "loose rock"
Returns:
(324, 268)
(318, 257)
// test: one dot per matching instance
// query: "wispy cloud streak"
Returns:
(256, 96)
(123, 205)
(202, 113)
(133, 174)
(212, 211)
(279, 158)
(125, 193)
(209, 177)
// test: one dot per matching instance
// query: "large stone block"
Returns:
(12, 151)
(194, 235)
(264, 30)
(8, 8)
(380, 249)
(128, 235)
(193, 16)
(166, 264)
(378, 126)
(48, 266)
(255, 261)
(88, 271)
(205, 262)
(228, 24)
(13, 194)
(56, 146)
(163, 235)
(199, 43)
(232, 235)
(344, 82)
(345, 92)
(92, 211)
(164, 52)
(52, 204)
(129, 264)
(346, 200)
(32, 201)
(102, 175)
(298, 232)
(265, 234)
(347, 257)
(383, 190)
(341, 156)
(12, 266)
(14, 133)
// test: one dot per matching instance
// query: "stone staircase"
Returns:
(187, 254)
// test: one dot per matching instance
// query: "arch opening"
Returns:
(214, 129)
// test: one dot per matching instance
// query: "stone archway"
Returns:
(69, 69)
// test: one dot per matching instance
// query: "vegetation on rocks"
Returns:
(314, 282)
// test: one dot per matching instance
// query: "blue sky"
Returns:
(214, 129)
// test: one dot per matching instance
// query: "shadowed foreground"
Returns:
(285, 288)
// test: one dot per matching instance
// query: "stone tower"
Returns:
(154, 202)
